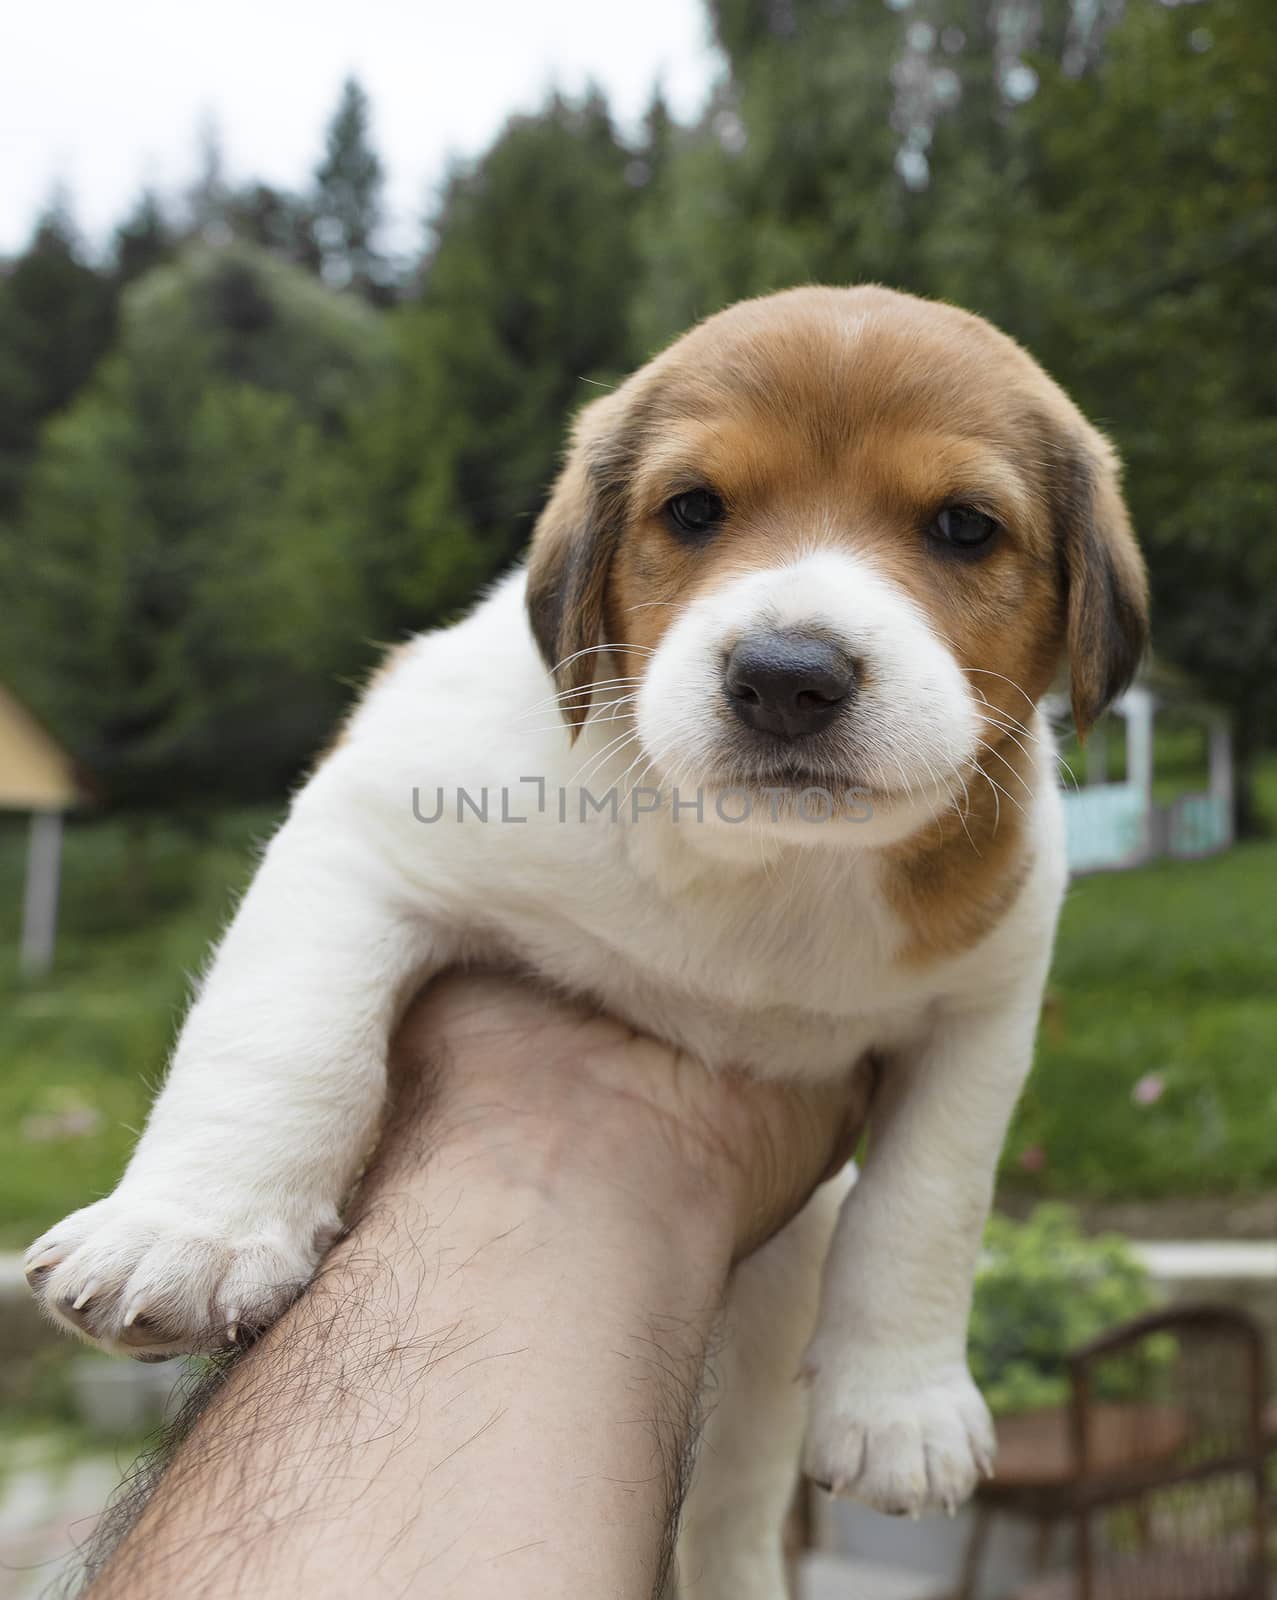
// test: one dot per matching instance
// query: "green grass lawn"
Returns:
(1170, 971)
(81, 1051)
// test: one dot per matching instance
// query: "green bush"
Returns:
(1043, 1289)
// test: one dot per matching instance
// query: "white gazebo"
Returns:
(1121, 822)
(38, 776)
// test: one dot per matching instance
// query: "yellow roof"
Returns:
(36, 774)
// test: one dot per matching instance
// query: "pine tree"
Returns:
(274, 220)
(144, 240)
(789, 177)
(196, 606)
(1154, 239)
(208, 196)
(57, 318)
(524, 306)
(659, 129)
(347, 202)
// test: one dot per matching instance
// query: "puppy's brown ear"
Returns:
(1104, 578)
(571, 556)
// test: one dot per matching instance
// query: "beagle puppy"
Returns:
(750, 755)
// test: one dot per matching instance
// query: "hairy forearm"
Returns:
(510, 1324)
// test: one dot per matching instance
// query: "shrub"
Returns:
(1043, 1289)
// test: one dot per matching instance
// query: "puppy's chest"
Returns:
(780, 982)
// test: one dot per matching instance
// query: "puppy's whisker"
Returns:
(1004, 756)
(987, 672)
(592, 687)
(979, 766)
(1008, 717)
(997, 801)
(1008, 762)
(1011, 727)
(937, 785)
(593, 762)
(1000, 790)
(1068, 771)
(611, 711)
(1019, 744)
(600, 649)
(586, 691)
(624, 779)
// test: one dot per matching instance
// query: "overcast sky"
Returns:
(106, 96)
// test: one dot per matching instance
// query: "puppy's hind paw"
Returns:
(903, 1450)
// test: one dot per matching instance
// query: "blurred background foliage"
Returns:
(1043, 1289)
(242, 449)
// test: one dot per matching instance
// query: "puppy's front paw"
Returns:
(894, 1434)
(149, 1275)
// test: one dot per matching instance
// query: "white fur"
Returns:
(915, 722)
(768, 946)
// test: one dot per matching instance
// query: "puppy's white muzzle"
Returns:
(844, 683)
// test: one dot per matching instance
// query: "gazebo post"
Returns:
(1221, 768)
(40, 901)
(39, 777)
(1140, 708)
(1121, 824)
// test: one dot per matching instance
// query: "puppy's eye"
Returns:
(697, 512)
(963, 527)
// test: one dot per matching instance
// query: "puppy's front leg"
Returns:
(896, 1420)
(271, 1102)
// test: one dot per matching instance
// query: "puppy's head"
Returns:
(836, 537)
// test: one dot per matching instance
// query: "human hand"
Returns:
(563, 1093)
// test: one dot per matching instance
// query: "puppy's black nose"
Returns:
(789, 684)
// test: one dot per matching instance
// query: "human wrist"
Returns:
(553, 1113)
(561, 1097)
(572, 1292)
(564, 1176)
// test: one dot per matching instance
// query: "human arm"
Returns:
(493, 1385)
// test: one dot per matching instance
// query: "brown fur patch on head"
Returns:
(832, 416)
(848, 418)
